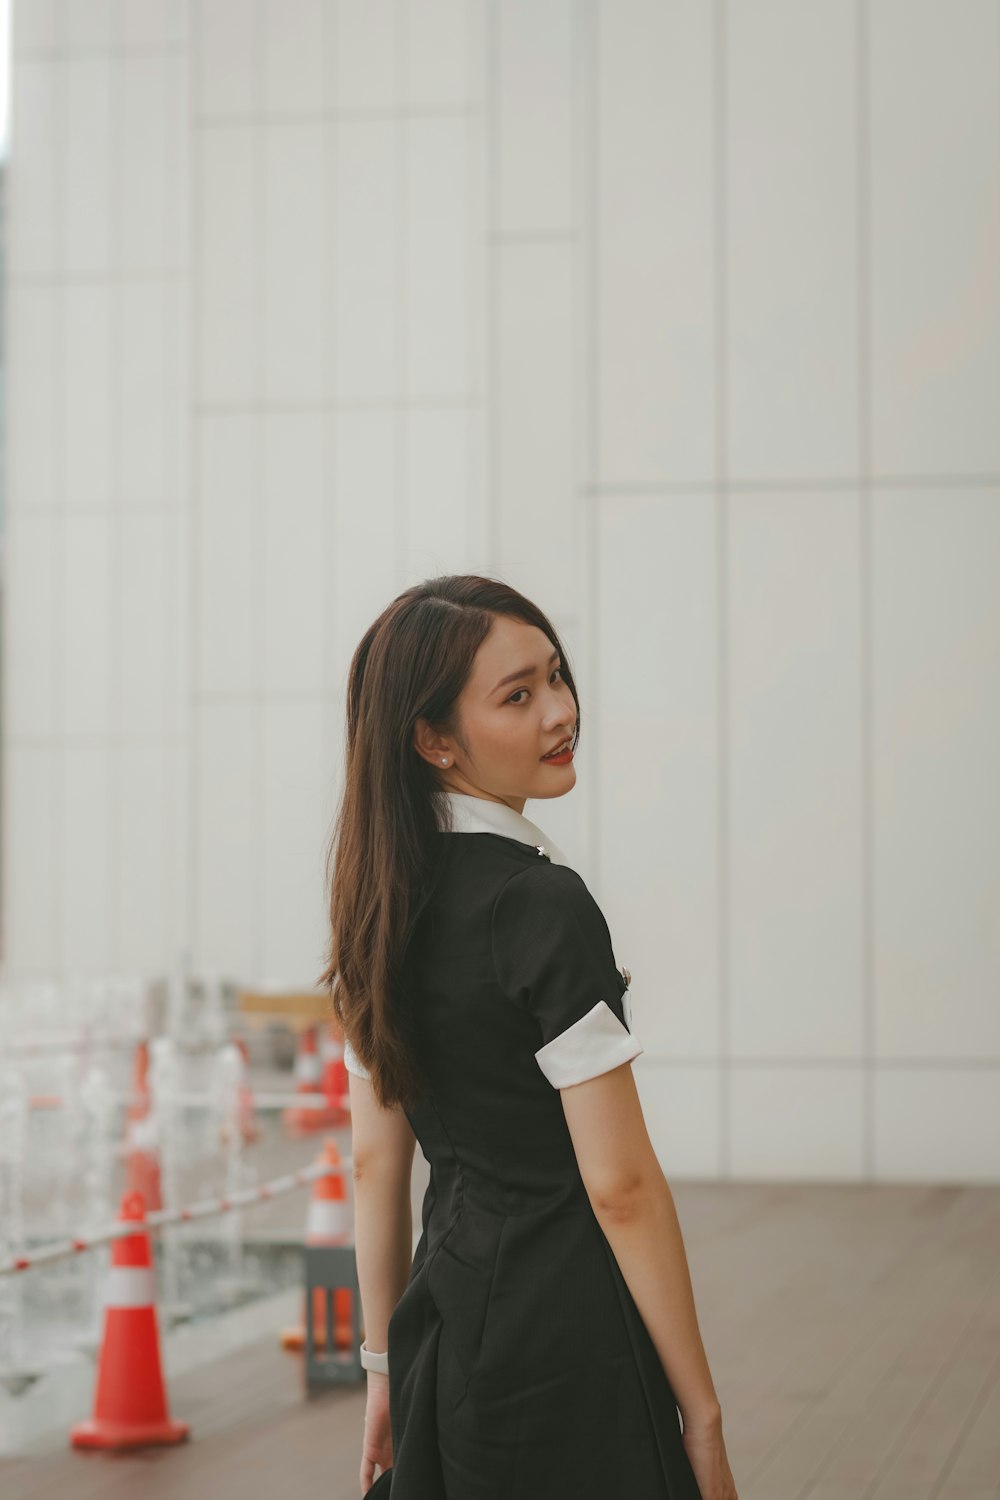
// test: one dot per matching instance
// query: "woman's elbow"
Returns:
(622, 1197)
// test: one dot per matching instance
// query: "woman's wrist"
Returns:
(703, 1418)
(373, 1360)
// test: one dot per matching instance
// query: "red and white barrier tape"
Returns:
(312, 1100)
(243, 1197)
(76, 1042)
(315, 1099)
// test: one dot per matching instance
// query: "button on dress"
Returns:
(519, 1366)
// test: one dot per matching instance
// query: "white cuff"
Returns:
(594, 1044)
(372, 1361)
(353, 1063)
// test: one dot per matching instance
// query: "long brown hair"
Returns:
(413, 662)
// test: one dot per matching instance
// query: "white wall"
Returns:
(684, 318)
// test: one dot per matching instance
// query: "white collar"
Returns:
(477, 815)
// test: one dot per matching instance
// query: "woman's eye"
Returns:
(524, 690)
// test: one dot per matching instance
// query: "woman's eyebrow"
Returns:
(524, 672)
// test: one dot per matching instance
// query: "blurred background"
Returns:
(683, 317)
(691, 332)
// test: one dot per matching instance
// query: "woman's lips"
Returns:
(562, 759)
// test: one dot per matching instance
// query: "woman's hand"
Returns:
(706, 1451)
(377, 1446)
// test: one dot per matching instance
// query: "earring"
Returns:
(444, 760)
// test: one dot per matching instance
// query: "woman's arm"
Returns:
(635, 1208)
(382, 1147)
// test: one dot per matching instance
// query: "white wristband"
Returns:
(372, 1361)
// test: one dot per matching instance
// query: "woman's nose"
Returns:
(558, 718)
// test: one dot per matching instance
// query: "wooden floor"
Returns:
(853, 1334)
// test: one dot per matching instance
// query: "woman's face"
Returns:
(514, 708)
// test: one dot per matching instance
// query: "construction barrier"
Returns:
(201, 1210)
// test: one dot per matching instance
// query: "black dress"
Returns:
(519, 1366)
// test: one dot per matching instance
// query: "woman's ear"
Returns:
(427, 742)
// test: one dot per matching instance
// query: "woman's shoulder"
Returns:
(551, 901)
(539, 879)
(487, 877)
(492, 855)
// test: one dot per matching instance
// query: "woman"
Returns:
(543, 1341)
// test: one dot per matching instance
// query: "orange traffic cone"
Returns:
(335, 1073)
(309, 1082)
(142, 1155)
(328, 1223)
(130, 1404)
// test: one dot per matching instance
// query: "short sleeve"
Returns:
(353, 1063)
(553, 955)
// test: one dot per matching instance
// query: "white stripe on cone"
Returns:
(326, 1218)
(307, 1068)
(130, 1286)
(330, 1049)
